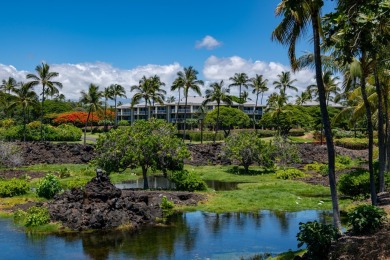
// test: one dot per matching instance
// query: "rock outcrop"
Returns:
(100, 205)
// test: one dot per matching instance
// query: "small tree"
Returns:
(248, 149)
(146, 144)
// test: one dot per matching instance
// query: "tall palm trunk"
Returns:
(24, 124)
(369, 128)
(381, 136)
(387, 131)
(146, 109)
(42, 110)
(217, 125)
(254, 112)
(86, 125)
(116, 114)
(185, 116)
(325, 119)
(105, 115)
(177, 110)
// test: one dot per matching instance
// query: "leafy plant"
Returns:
(13, 187)
(318, 238)
(343, 159)
(33, 217)
(187, 181)
(289, 174)
(355, 183)
(48, 186)
(75, 183)
(366, 219)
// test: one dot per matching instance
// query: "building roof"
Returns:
(312, 103)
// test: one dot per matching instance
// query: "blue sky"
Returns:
(118, 41)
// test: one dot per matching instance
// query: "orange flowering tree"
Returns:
(77, 118)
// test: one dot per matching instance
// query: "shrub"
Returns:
(296, 132)
(340, 133)
(48, 186)
(187, 181)
(75, 183)
(6, 123)
(366, 219)
(353, 143)
(33, 217)
(343, 159)
(289, 174)
(313, 167)
(355, 183)
(123, 123)
(265, 133)
(13, 187)
(318, 238)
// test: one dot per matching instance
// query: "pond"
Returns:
(192, 235)
(161, 183)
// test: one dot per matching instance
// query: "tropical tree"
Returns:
(188, 79)
(297, 15)
(92, 100)
(177, 85)
(117, 91)
(25, 97)
(259, 86)
(107, 94)
(285, 82)
(158, 94)
(301, 99)
(275, 107)
(201, 115)
(170, 99)
(45, 78)
(239, 80)
(330, 84)
(8, 85)
(218, 94)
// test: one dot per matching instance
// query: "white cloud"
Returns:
(77, 77)
(208, 42)
(216, 69)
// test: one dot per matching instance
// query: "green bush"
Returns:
(187, 181)
(75, 183)
(340, 133)
(265, 133)
(123, 123)
(343, 159)
(48, 186)
(355, 183)
(289, 174)
(313, 167)
(33, 217)
(366, 219)
(318, 238)
(13, 187)
(353, 143)
(296, 132)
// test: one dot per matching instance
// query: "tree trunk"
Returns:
(217, 125)
(386, 98)
(254, 112)
(325, 120)
(116, 114)
(185, 115)
(105, 116)
(145, 176)
(201, 131)
(177, 111)
(42, 110)
(85, 128)
(369, 129)
(381, 136)
(24, 124)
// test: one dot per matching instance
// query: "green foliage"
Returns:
(48, 186)
(343, 159)
(13, 187)
(7, 123)
(123, 123)
(33, 217)
(248, 149)
(229, 117)
(352, 143)
(63, 132)
(366, 219)
(64, 173)
(289, 174)
(340, 133)
(187, 181)
(355, 183)
(285, 151)
(75, 183)
(148, 144)
(318, 238)
(166, 207)
(296, 132)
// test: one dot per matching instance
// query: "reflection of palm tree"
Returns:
(188, 80)
(25, 97)
(44, 77)
(217, 94)
(92, 100)
(259, 86)
(296, 16)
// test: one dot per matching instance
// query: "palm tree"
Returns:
(297, 15)
(285, 82)
(177, 85)
(170, 99)
(240, 80)
(143, 92)
(188, 79)
(330, 84)
(8, 85)
(44, 77)
(259, 86)
(92, 100)
(217, 94)
(117, 91)
(301, 99)
(25, 97)
(107, 94)
(201, 115)
(158, 94)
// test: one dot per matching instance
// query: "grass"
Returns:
(297, 139)
(262, 191)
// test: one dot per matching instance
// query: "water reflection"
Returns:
(194, 235)
(155, 182)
